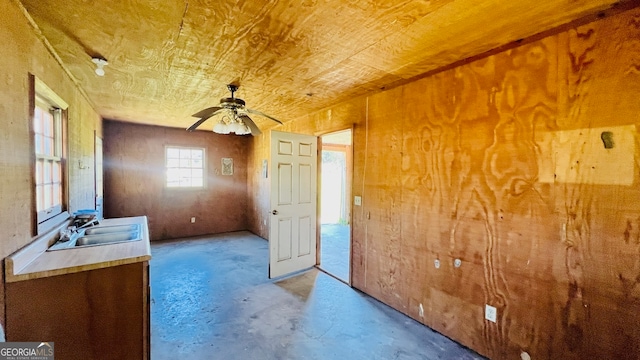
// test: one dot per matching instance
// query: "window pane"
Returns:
(47, 172)
(186, 182)
(197, 182)
(185, 153)
(39, 174)
(196, 173)
(196, 154)
(173, 163)
(185, 173)
(57, 194)
(173, 175)
(185, 163)
(48, 201)
(47, 148)
(37, 121)
(48, 123)
(197, 163)
(173, 153)
(52, 149)
(39, 144)
(39, 198)
(57, 167)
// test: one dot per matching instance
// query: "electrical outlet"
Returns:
(357, 200)
(490, 313)
(193, 219)
(436, 263)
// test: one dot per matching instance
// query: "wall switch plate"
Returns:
(421, 311)
(193, 219)
(490, 313)
(357, 200)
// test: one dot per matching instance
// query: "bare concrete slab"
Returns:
(211, 299)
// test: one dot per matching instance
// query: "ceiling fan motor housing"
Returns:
(232, 103)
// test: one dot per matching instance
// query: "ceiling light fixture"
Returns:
(100, 64)
(231, 124)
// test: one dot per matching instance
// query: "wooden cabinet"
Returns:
(94, 314)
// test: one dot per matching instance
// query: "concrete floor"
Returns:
(211, 299)
(334, 250)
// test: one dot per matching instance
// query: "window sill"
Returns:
(51, 223)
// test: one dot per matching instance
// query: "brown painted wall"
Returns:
(500, 163)
(134, 180)
(23, 53)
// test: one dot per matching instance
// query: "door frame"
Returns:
(348, 194)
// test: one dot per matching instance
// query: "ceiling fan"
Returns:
(235, 119)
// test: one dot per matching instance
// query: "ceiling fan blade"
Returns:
(262, 114)
(207, 112)
(197, 123)
(254, 129)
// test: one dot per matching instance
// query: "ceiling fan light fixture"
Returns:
(221, 128)
(243, 129)
(234, 127)
(236, 119)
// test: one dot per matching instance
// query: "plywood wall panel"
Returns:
(258, 212)
(500, 163)
(24, 53)
(134, 158)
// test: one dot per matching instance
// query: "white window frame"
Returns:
(168, 167)
(46, 99)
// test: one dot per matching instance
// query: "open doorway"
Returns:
(335, 207)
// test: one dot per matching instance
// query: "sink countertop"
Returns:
(33, 261)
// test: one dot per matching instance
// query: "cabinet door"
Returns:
(97, 314)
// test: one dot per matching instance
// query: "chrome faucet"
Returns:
(68, 233)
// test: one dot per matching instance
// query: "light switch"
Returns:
(357, 200)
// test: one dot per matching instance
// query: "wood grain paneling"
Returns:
(134, 163)
(99, 314)
(22, 53)
(169, 59)
(500, 163)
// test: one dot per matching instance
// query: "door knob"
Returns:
(275, 212)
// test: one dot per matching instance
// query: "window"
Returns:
(49, 179)
(185, 167)
(47, 129)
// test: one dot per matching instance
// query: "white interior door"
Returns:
(292, 234)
